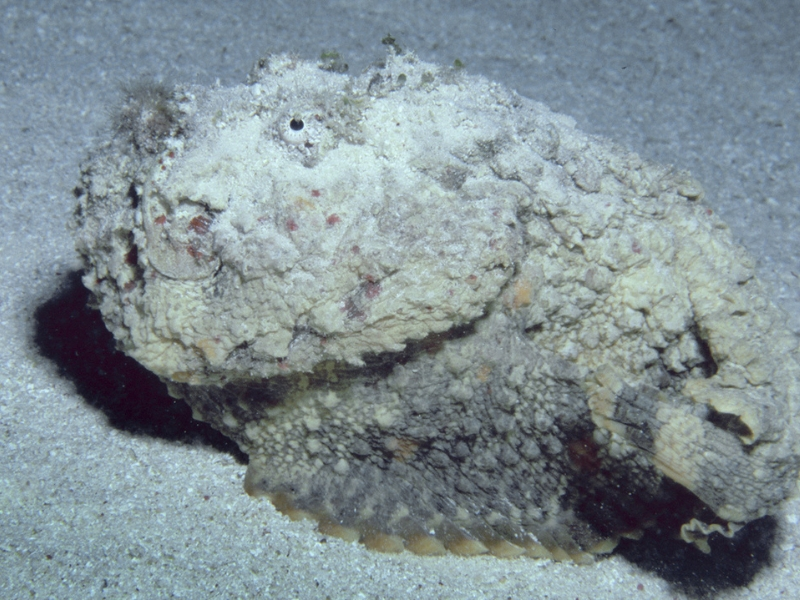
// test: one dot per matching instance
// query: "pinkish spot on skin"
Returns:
(352, 310)
(200, 224)
(315, 193)
(292, 225)
(194, 252)
(283, 365)
(355, 249)
(372, 290)
(332, 219)
(160, 219)
(637, 249)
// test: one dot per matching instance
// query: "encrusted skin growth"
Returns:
(435, 315)
(147, 115)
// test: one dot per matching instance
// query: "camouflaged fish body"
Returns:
(437, 316)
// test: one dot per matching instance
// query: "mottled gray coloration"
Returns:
(469, 440)
(435, 315)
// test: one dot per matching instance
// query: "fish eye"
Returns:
(294, 131)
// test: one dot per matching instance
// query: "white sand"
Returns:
(90, 510)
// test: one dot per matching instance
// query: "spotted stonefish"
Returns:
(435, 315)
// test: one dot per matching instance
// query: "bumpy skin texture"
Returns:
(435, 315)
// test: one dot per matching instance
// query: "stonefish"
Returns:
(438, 317)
